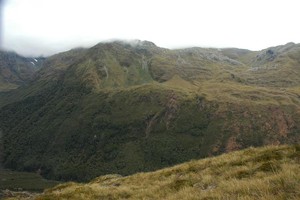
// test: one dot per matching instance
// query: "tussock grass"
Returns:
(271, 172)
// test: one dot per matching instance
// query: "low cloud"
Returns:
(35, 27)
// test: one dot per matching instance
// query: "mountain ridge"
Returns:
(16, 70)
(257, 62)
(121, 108)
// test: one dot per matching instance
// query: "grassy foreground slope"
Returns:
(271, 172)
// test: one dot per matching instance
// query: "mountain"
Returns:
(263, 173)
(124, 107)
(16, 70)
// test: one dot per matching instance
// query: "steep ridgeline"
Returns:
(126, 107)
(16, 70)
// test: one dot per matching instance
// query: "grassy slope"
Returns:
(272, 67)
(271, 172)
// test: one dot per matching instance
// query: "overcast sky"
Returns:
(45, 27)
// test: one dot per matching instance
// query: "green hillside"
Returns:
(271, 172)
(123, 108)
